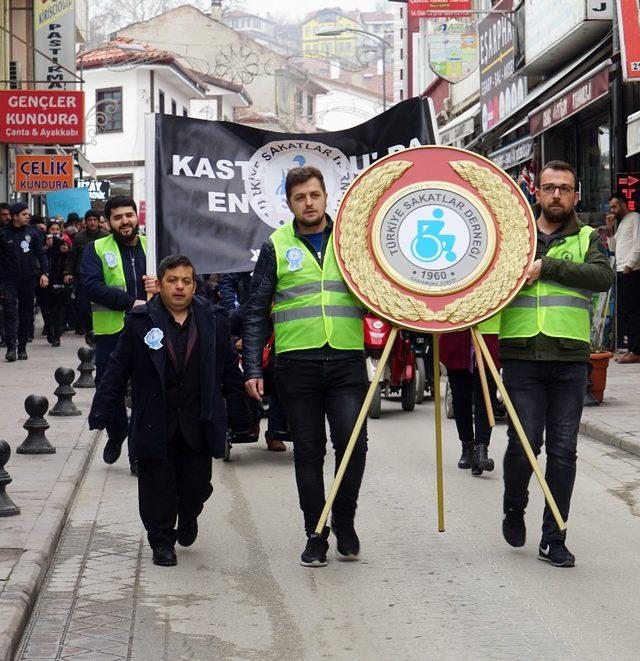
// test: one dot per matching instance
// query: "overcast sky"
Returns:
(298, 8)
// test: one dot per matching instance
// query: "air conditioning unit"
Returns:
(15, 75)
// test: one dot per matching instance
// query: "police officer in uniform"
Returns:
(544, 349)
(22, 257)
(320, 364)
(112, 272)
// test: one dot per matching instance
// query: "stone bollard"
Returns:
(64, 392)
(7, 506)
(86, 367)
(36, 442)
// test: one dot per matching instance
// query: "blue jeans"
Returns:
(309, 390)
(548, 397)
(118, 426)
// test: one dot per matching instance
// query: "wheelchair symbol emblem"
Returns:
(429, 243)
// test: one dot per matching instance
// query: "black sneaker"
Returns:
(10, 356)
(556, 553)
(315, 552)
(513, 528)
(164, 556)
(348, 544)
(22, 355)
(187, 532)
(111, 452)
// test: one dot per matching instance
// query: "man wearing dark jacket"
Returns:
(92, 232)
(178, 353)
(112, 273)
(544, 349)
(23, 264)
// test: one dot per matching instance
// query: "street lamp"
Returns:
(385, 44)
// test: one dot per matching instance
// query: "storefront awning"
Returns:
(459, 127)
(633, 134)
(534, 94)
(513, 154)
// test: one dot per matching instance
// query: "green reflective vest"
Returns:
(490, 326)
(105, 320)
(313, 306)
(549, 307)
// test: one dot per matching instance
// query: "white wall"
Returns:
(343, 108)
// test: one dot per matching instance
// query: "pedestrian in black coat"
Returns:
(186, 389)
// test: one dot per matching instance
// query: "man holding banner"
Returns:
(320, 365)
(112, 271)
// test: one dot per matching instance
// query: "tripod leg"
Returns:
(519, 430)
(437, 401)
(356, 431)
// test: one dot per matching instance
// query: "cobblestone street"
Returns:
(239, 592)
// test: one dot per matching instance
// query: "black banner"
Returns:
(219, 186)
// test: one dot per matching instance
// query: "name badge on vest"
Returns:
(294, 256)
(24, 245)
(153, 339)
(111, 259)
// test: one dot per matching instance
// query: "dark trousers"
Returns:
(18, 311)
(173, 488)
(629, 288)
(469, 406)
(82, 309)
(310, 390)
(118, 425)
(548, 397)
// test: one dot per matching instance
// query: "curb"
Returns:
(24, 583)
(604, 434)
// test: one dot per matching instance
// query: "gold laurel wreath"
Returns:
(514, 251)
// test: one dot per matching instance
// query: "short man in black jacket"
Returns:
(177, 351)
(23, 264)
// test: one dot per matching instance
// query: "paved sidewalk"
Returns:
(43, 485)
(617, 420)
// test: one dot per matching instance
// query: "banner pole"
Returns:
(150, 191)
(520, 431)
(356, 430)
(483, 380)
(437, 401)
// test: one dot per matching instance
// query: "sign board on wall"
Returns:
(41, 117)
(43, 173)
(453, 49)
(571, 102)
(512, 155)
(99, 189)
(633, 134)
(419, 8)
(62, 203)
(501, 92)
(54, 29)
(628, 184)
(629, 26)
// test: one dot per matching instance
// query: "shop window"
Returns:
(174, 107)
(121, 185)
(161, 102)
(594, 141)
(109, 110)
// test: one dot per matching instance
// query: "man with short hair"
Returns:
(320, 364)
(177, 351)
(92, 232)
(544, 350)
(23, 264)
(5, 214)
(624, 242)
(112, 272)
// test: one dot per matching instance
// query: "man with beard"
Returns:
(112, 273)
(544, 349)
(625, 243)
(320, 364)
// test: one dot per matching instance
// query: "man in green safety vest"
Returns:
(320, 364)
(544, 349)
(113, 274)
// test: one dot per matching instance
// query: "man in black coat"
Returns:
(177, 351)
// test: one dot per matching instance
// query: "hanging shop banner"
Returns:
(54, 29)
(453, 48)
(99, 189)
(62, 203)
(501, 92)
(629, 26)
(628, 184)
(571, 102)
(427, 8)
(512, 155)
(43, 173)
(220, 186)
(41, 117)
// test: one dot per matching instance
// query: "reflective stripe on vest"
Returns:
(549, 307)
(313, 305)
(105, 320)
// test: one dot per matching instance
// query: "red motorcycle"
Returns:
(399, 375)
